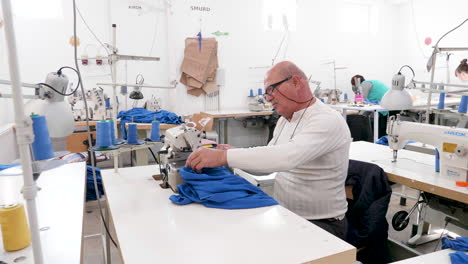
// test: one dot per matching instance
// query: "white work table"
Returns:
(438, 257)
(150, 228)
(60, 206)
(412, 169)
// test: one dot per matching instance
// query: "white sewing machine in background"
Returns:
(96, 100)
(179, 143)
(329, 96)
(153, 104)
(259, 103)
(452, 144)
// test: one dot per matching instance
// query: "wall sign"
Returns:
(200, 8)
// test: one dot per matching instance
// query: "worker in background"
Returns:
(462, 70)
(371, 90)
(309, 150)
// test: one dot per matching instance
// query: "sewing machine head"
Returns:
(452, 144)
(179, 143)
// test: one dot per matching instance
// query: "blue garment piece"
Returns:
(367, 100)
(141, 115)
(4, 167)
(90, 190)
(460, 243)
(219, 188)
(458, 258)
(382, 141)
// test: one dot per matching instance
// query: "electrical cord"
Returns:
(152, 154)
(88, 129)
(59, 72)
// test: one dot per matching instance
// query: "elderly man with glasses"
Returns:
(309, 150)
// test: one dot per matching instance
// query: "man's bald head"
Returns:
(286, 69)
(292, 92)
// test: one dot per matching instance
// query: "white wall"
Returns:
(430, 18)
(43, 43)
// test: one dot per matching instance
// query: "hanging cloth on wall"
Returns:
(199, 65)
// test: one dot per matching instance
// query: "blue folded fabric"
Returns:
(458, 258)
(90, 190)
(141, 115)
(219, 188)
(4, 167)
(460, 243)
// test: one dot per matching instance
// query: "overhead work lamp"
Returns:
(397, 98)
(52, 104)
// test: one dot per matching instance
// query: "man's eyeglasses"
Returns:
(269, 90)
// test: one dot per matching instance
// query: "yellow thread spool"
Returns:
(15, 230)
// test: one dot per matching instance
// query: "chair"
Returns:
(368, 192)
(360, 127)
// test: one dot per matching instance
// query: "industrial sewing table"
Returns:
(223, 115)
(60, 206)
(415, 170)
(150, 228)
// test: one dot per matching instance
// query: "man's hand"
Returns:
(224, 146)
(206, 158)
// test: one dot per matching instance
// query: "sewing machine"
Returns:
(179, 143)
(259, 103)
(96, 100)
(452, 144)
(329, 96)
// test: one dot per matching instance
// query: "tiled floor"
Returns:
(93, 252)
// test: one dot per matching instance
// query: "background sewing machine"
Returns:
(259, 103)
(179, 143)
(98, 104)
(329, 96)
(452, 145)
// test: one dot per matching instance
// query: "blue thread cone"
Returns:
(123, 130)
(115, 140)
(155, 136)
(107, 102)
(251, 93)
(345, 96)
(259, 92)
(437, 161)
(42, 145)
(103, 137)
(112, 132)
(441, 104)
(132, 134)
(463, 104)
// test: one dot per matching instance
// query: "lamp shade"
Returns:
(396, 100)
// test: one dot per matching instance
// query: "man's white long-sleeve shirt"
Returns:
(311, 156)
